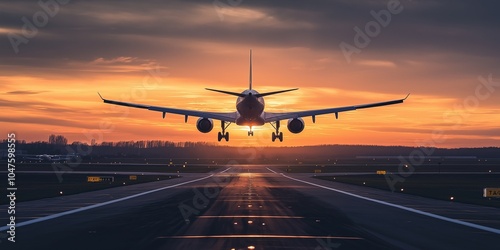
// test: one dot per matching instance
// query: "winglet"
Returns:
(406, 96)
(100, 96)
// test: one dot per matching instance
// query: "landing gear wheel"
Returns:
(250, 131)
(281, 136)
(226, 136)
(274, 137)
(219, 136)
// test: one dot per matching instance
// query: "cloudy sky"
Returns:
(56, 57)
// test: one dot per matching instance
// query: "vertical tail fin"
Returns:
(250, 79)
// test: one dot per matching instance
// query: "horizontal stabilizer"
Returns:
(226, 92)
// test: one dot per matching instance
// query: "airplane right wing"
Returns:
(272, 117)
(227, 117)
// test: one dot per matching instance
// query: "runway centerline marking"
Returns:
(81, 209)
(435, 216)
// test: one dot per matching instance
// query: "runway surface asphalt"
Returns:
(250, 207)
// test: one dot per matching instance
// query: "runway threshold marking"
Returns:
(81, 209)
(435, 216)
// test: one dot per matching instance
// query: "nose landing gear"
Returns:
(250, 132)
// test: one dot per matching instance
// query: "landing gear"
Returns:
(250, 133)
(277, 134)
(223, 134)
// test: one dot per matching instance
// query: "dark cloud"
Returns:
(85, 30)
(24, 92)
(40, 107)
(43, 120)
(433, 49)
(450, 38)
(486, 133)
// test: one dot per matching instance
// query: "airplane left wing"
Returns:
(272, 117)
(227, 117)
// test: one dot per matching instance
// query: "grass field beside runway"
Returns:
(180, 167)
(34, 186)
(393, 165)
(465, 188)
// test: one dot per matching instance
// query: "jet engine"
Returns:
(204, 125)
(296, 125)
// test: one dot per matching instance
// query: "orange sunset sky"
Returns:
(165, 53)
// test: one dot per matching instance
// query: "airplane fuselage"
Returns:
(250, 109)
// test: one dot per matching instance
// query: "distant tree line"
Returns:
(63, 141)
(58, 144)
(58, 140)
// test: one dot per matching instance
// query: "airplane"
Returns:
(250, 112)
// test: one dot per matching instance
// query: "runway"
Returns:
(251, 207)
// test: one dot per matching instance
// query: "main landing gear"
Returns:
(277, 135)
(224, 134)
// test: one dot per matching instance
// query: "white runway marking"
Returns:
(272, 170)
(53, 216)
(435, 216)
